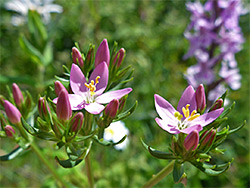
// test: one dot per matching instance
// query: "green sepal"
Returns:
(83, 138)
(66, 69)
(12, 154)
(108, 143)
(46, 136)
(62, 79)
(178, 171)
(223, 96)
(219, 169)
(126, 113)
(227, 111)
(122, 72)
(218, 151)
(238, 128)
(77, 152)
(215, 124)
(28, 127)
(158, 154)
(68, 163)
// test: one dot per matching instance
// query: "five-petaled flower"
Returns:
(185, 119)
(89, 94)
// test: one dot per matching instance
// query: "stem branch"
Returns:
(35, 148)
(89, 171)
(158, 177)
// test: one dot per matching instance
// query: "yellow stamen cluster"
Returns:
(92, 85)
(186, 113)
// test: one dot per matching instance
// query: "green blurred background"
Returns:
(152, 34)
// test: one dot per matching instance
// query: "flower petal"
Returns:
(94, 108)
(109, 96)
(207, 118)
(192, 128)
(77, 80)
(167, 127)
(164, 108)
(188, 97)
(77, 102)
(102, 71)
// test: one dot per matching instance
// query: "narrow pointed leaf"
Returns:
(238, 128)
(12, 154)
(108, 143)
(126, 113)
(68, 163)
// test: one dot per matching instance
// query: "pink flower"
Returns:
(89, 95)
(185, 119)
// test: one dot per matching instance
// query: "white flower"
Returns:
(115, 132)
(43, 7)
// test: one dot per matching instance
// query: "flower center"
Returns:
(92, 85)
(182, 124)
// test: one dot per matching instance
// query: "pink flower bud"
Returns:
(43, 108)
(17, 94)
(191, 141)
(59, 87)
(209, 137)
(102, 53)
(12, 112)
(63, 107)
(77, 57)
(218, 104)
(120, 55)
(77, 122)
(112, 108)
(9, 131)
(200, 98)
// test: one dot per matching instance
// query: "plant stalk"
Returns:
(158, 177)
(89, 171)
(40, 155)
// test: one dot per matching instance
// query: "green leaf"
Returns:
(238, 128)
(31, 50)
(12, 154)
(158, 154)
(46, 136)
(227, 111)
(82, 138)
(126, 113)
(219, 169)
(68, 163)
(28, 127)
(178, 171)
(108, 143)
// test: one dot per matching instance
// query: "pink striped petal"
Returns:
(94, 108)
(164, 108)
(188, 97)
(77, 80)
(167, 127)
(109, 96)
(102, 71)
(192, 128)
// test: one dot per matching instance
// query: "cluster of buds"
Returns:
(197, 131)
(215, 37)
(20, 105)
(83, 106)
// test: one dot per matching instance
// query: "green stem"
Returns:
(158, 177)
(89, 171)
(35, 148)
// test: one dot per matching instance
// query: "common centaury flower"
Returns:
(185, 119)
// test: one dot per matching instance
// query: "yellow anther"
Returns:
(97, 79)
(193, 113)
(186, 111)
(178, 115)
(192, 117)
(92, 85)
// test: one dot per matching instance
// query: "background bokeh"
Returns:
(152, 34)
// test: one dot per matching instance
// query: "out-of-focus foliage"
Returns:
(152, 34)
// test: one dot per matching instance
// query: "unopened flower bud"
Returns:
(43, 108)
(120, 55)
(218, 104)
(200, 98)
(77, 57)
(9, 131)
(12, 112)
(112, 108)
(17, 94)
(77, 122)
(63, 108)
(191, 141)
(59, 87)
(207, 138)
(102, 53)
